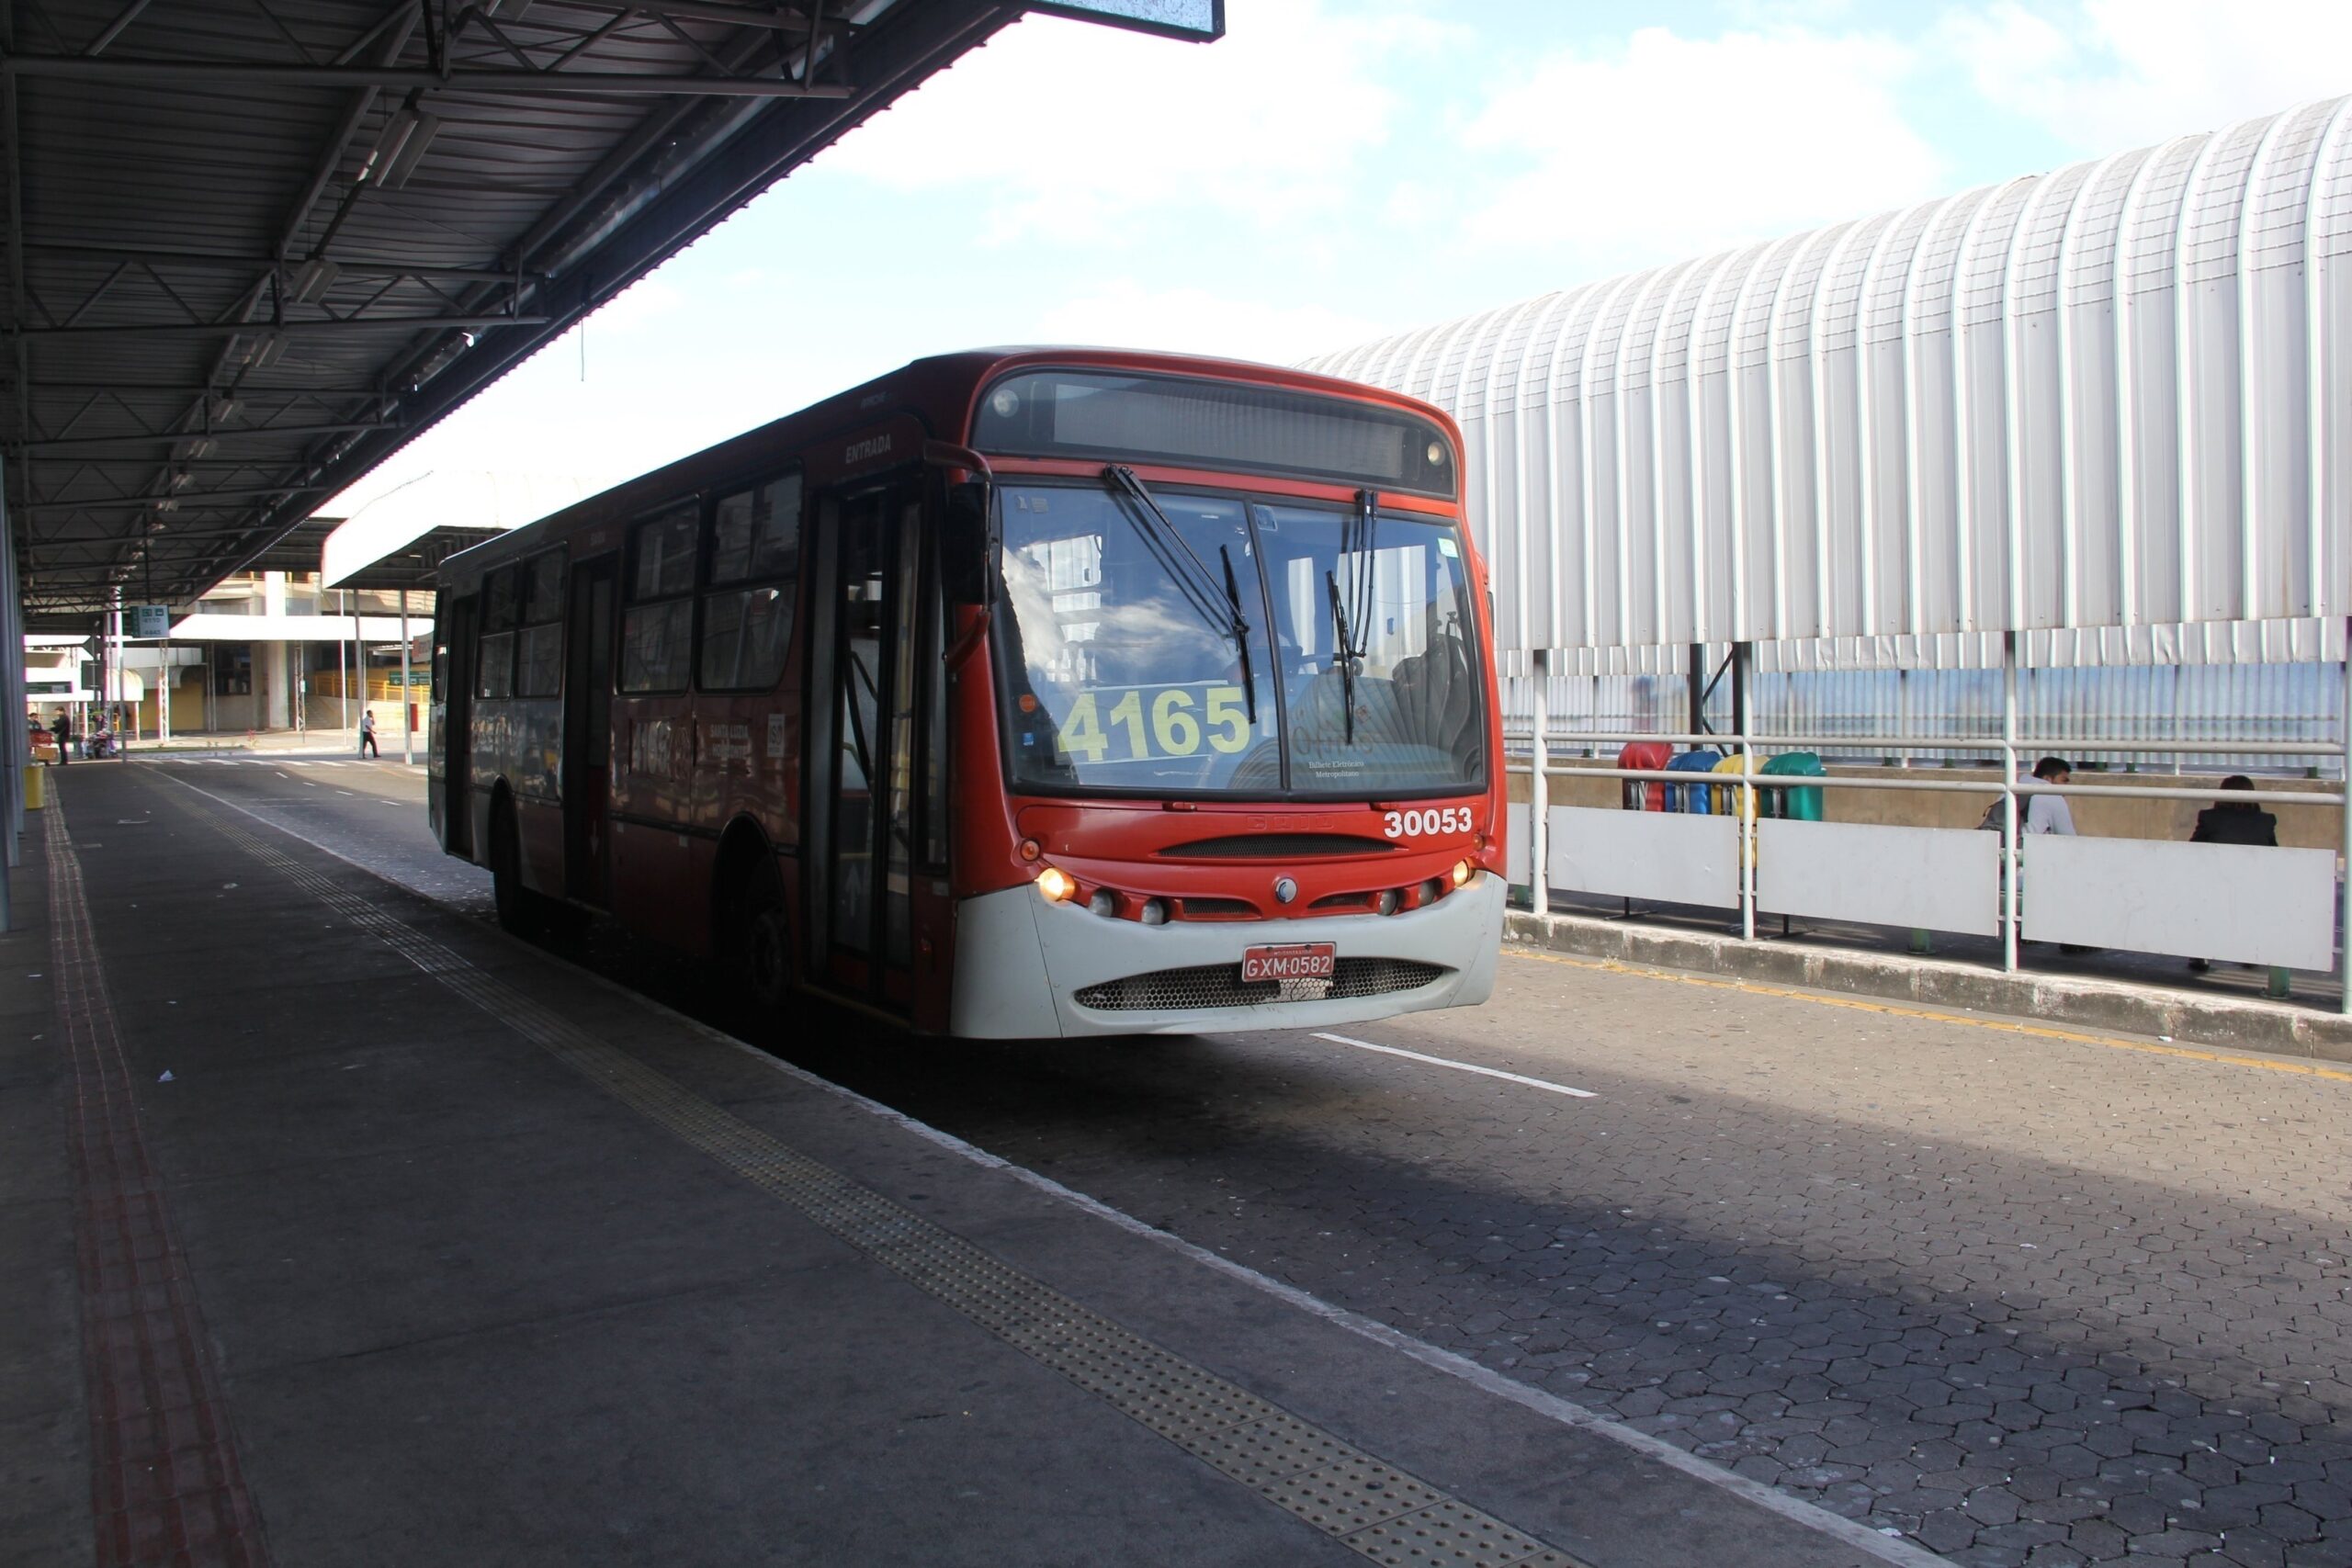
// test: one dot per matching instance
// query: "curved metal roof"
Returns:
(255, 248)
(2119, 394)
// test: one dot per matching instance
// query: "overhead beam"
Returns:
(223, 261)
(123, 18)
(600, 83)
(187, 500)
(784, 18)
(338, 327)
(173, 437)
(214, 390)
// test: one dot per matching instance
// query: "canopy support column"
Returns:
(2344, 1001)
(1745, 795)
(408, 724)
(1539, 790)
(16, 747)
(2012, 838)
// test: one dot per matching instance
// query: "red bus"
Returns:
(1016, 693)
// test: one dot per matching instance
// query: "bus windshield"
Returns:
(1120, 673)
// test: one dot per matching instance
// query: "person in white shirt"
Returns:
(2050, 813)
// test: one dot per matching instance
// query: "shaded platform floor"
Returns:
(345, 1230)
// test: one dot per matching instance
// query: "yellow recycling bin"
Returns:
(36, 786)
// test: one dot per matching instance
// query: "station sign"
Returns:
(146, 620)
(1197, 20)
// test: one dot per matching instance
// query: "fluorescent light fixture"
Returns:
(410, 151)
(267, 349)
(388, 144)
(314, 278)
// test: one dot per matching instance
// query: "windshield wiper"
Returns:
(1358, 535)
(1240, 635)
(1344, 656)
(1199, 585)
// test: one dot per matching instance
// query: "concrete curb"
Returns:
(2052, 998)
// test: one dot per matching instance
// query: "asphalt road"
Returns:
(2024, 1299)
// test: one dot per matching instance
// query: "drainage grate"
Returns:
(1221, 986)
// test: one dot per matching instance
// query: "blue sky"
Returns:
(1336, 170)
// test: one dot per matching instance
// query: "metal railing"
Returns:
(2011, 747)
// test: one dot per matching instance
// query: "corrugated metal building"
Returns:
(2117, 395)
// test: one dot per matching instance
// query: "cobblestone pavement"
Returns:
(2023, 1300)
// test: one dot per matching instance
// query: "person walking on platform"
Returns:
(61, 732)
(367, 735)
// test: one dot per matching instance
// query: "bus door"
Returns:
(588, 729)
(864, 907)
(455, 633)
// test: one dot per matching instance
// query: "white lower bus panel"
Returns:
(1027, 969)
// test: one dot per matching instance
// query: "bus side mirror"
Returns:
(963, 545)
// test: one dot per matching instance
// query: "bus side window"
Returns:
(754, 579)
(538, 664)
(657, 629)
(494, 664)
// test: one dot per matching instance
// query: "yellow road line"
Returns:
(2005, 1026)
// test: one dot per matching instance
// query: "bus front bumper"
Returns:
(1028, 969)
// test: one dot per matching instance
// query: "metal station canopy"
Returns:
(256, 247)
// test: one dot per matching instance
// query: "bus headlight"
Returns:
(1056, 885)
(1462, 873)
(1104, 903)
(1387, 901)
(1153, 913)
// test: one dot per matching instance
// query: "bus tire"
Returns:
(518, 907)
(764, 943)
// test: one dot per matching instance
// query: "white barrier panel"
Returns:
(1925, 878)
(2225, 901)
(1516, 848)
(1667, 856)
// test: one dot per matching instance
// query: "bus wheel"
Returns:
(517, 905)
(763, 947)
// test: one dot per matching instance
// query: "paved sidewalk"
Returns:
(461, 1257)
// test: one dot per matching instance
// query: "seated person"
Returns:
(2236, 821)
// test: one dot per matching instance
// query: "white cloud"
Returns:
(2112, 75)
(1071, 132)
(1673, 145)
(1196, 320)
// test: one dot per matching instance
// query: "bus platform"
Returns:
(346, 1229)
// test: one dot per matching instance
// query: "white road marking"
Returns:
(1457, 1067)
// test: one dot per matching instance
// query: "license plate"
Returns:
(1293, 961)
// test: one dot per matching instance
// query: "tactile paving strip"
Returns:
(165, 1485)
(1371, 1505)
